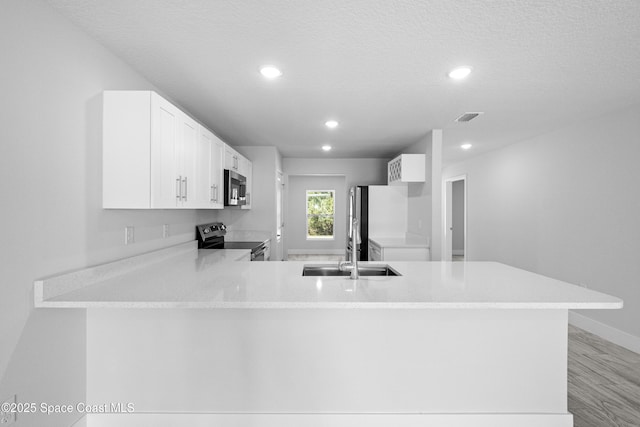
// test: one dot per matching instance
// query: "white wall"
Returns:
(354, 171)
(424, 214)
(51, 79)
(457, 205)
(296, 213)
(566, 205)
(419, 207)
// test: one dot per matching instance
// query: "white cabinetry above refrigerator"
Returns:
(406, 168)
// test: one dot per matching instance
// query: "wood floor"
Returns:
(604, 382)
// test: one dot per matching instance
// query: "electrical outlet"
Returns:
(6, 416)
(165, 231)
(128, 235)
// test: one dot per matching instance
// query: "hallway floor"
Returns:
(604, 382)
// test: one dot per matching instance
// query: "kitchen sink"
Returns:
(333, 270)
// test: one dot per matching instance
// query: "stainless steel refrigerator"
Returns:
(381, 211)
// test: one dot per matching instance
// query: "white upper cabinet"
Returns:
(217, 173)
(209, 190)
(231, 159)
(236, 162)
(406, 168)
(153, 154)
(156, 156)
(185, 162)
(246, 169)
(172, 146)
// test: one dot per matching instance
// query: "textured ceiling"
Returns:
(379, 67)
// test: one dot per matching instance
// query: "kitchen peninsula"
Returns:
(185, 335)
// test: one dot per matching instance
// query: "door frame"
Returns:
(447, 215)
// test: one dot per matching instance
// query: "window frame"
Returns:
(307, 215)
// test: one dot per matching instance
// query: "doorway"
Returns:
(455, 224)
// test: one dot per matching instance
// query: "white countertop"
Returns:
(246, 235)
(215, 256)
(400, 241)
(189, 278)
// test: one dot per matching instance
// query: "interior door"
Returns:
(279, 215)
(448, 222)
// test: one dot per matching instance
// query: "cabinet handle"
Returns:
(186, 186)
(215, 199)
(179, 188)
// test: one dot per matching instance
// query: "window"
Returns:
(320, 214)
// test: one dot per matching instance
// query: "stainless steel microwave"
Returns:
(235, 189)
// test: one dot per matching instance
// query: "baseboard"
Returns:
(609, 333)
(316, 251)
(330, 420)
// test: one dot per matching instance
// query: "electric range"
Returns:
(211, 236)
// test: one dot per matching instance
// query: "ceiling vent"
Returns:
(467, 117)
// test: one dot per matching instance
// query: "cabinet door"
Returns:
(186, 160)
(246, 169)
(165, 147)
(203, 191)
(230, 158)
(217, 174)
(126, 150)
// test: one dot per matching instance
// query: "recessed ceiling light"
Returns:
(460, 73)
(326, 148)
(270, 72)
(466, 146)
(331, 124)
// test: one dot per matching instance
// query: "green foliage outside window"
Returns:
(320, 213)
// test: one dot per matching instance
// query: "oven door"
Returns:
(235, 187)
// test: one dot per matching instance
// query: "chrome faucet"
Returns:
(353, 264)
